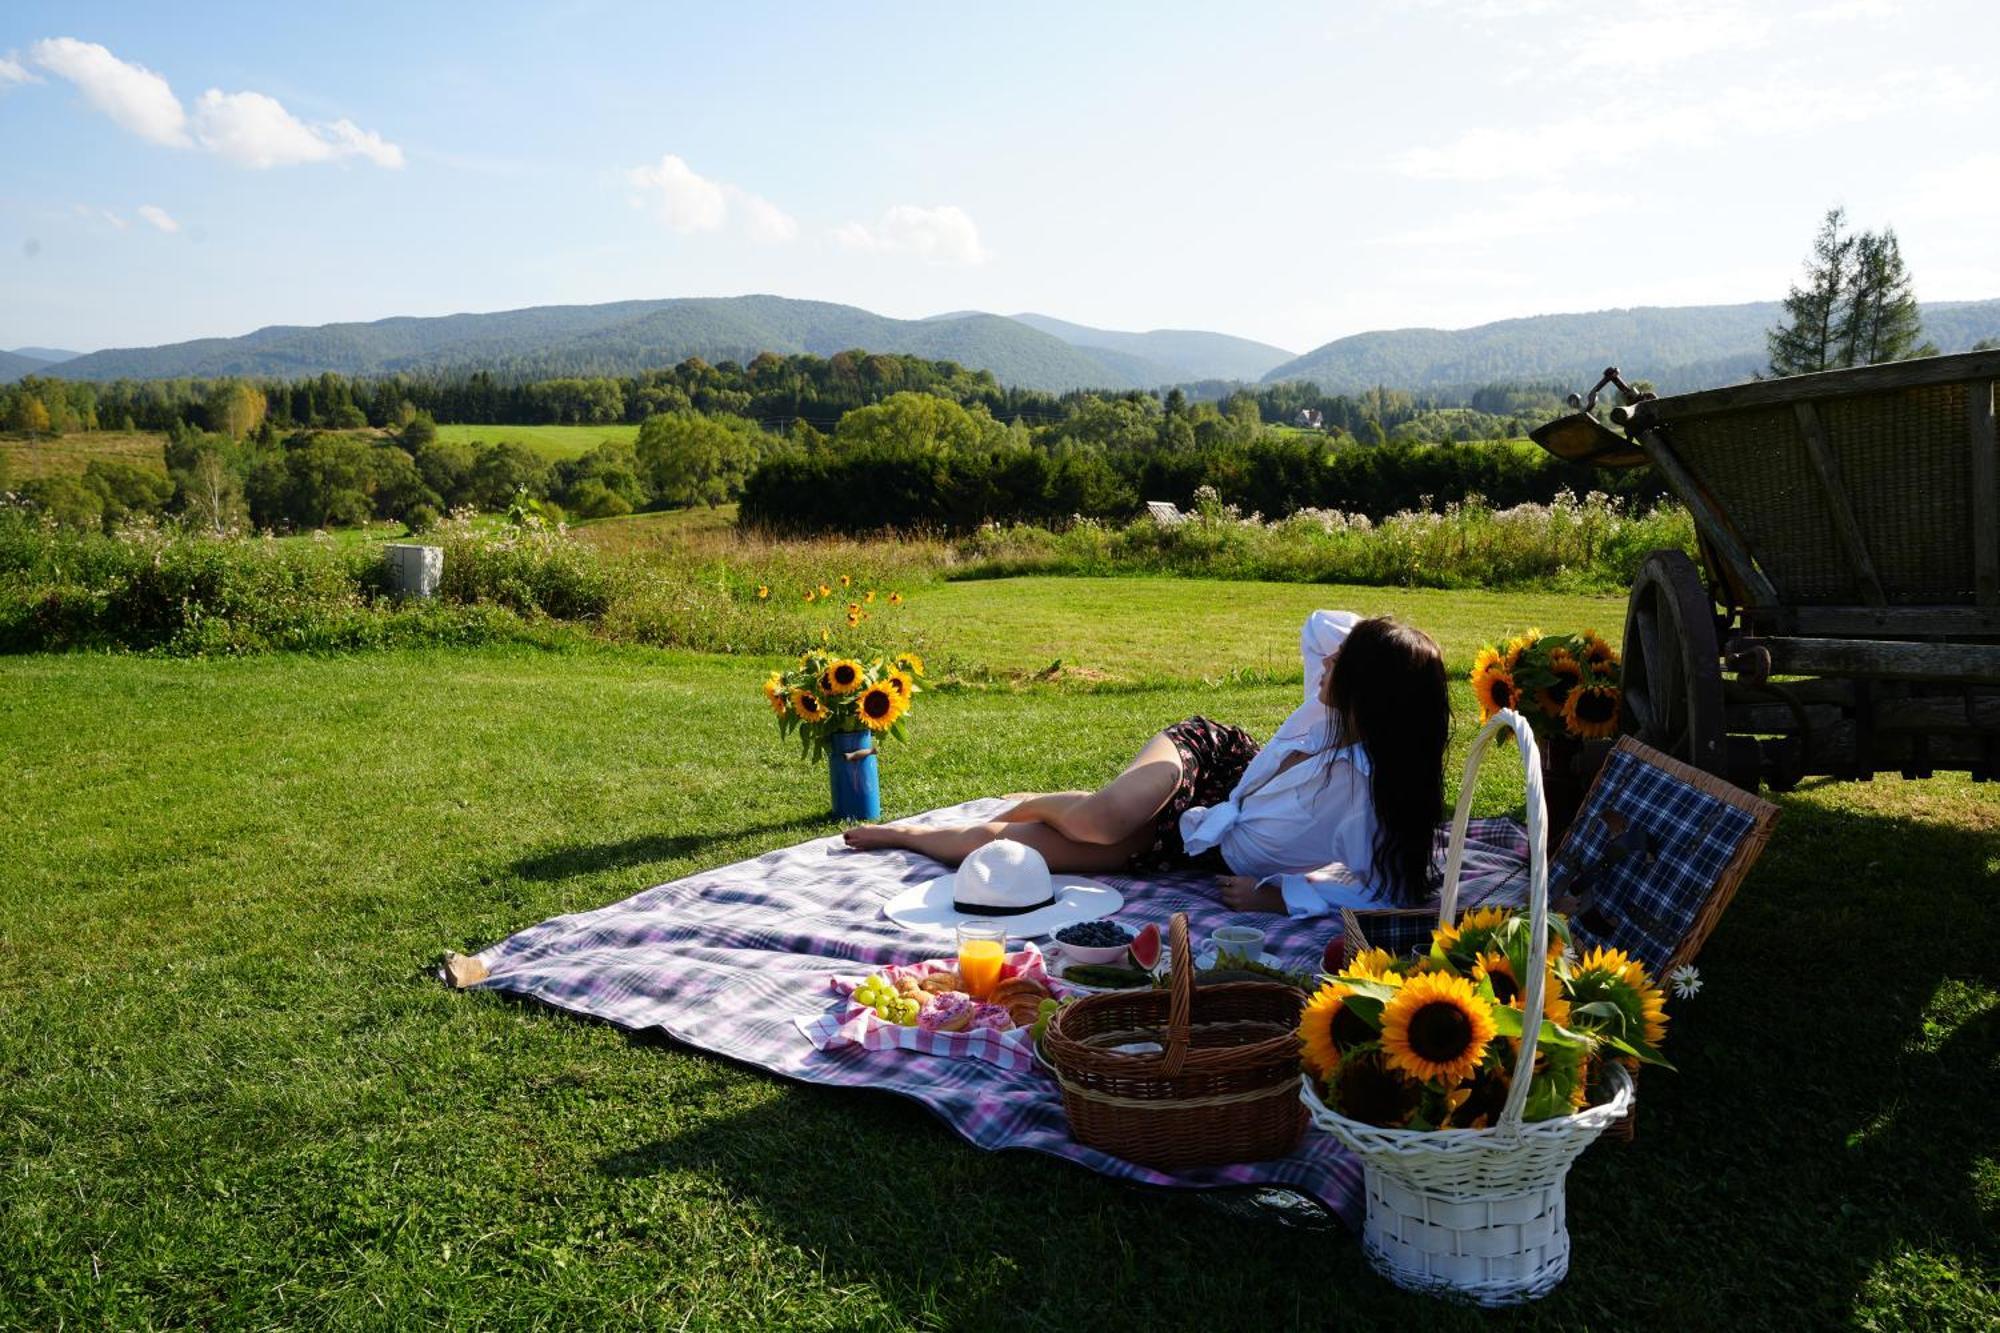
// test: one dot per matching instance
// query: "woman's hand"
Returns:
(1244, 894)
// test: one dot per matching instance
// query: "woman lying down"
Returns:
(1337, 810)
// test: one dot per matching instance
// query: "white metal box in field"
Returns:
(415, 571)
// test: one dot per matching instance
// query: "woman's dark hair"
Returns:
(1389, 694)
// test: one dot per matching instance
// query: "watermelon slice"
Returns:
(1145, 947)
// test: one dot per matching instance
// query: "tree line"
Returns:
(779, 392)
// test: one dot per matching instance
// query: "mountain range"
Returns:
(1676, 347)
(31, 361)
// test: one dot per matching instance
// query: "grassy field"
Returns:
(46, 455)
(552, 442)
(231, 1094)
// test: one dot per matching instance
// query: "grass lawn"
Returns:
(54, 455)
(551, 442)
(231, 1094)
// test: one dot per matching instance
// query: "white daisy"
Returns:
(1687, 982)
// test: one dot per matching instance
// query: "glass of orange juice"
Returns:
(982, 950)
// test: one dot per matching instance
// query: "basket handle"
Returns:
(1538, 892)
(1180, 996)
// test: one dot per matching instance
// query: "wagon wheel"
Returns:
(1673, 666)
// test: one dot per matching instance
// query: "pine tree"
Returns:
(1808, 339)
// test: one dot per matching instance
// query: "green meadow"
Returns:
(232, 1093)
(551, 442)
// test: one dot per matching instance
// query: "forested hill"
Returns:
(623, 338)
(1171, 356)
(1679, 348)
(13, 365)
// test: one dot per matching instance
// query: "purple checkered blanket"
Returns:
(730, 959)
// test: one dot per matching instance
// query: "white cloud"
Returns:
(1529, 214)
(253, 130)
(93, 213)
(158, 216)
(133, 96)
(688, 201)
(248, 128)
(12, 71)
(1644, 126)
(944, 235)
(1647, 42)
(1971, 189)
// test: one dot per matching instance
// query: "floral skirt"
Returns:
(1213, 757)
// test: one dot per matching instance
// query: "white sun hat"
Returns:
(1008, 884)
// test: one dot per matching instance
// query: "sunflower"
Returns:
(1434, 1027)
(808, 706)
(840, 677)
(901, 684)
(774, 693)
(1597, 654)
(1480, 923)
(1496, 968)
(1495, 691)
(1510, 656)
(1372, 965)
(854, 608)
(825, 591)
(853, 620)
(1612, 974)
(1366, 1087)
(879, 707)
(1568, 675)
(1328, 1028)
(911, 665)
(870, 598)
(846, 581)
(895, 599)
(763, 592)
(1592, 710)
(810, 594)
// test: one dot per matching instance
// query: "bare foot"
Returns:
(869, 837)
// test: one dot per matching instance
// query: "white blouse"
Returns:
(1309, 829)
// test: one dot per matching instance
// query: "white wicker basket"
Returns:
(1478, 1213)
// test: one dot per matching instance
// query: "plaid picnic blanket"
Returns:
(730, 959)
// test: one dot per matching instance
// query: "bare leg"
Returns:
(1125, 806)
(953, 844)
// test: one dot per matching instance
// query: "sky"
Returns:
(1287, 172)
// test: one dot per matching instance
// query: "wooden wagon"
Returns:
(1845, 619)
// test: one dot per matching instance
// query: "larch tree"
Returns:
(1855, 308)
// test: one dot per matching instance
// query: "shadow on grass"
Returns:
(570, 862)
(1817, 1160)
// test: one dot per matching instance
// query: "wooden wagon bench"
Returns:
(1845, 619)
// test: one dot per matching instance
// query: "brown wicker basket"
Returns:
(1224, 1088)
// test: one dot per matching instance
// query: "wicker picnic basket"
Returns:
(1479, 1213)
(1220, 1087)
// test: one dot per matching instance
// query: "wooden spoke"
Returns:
(1673, 667)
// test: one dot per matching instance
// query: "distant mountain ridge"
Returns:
(623, 337)
(1678, 348)
(1180, 355)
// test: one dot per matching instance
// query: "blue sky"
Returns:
(1286, 172)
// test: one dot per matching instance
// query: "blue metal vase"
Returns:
(857, 788)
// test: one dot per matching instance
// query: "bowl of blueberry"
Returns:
(1094, 943)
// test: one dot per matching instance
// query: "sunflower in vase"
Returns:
(1564, 684)
(828, 695)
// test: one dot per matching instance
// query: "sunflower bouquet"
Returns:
(828, 695)
(1430, 1042)
(1564, 684)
